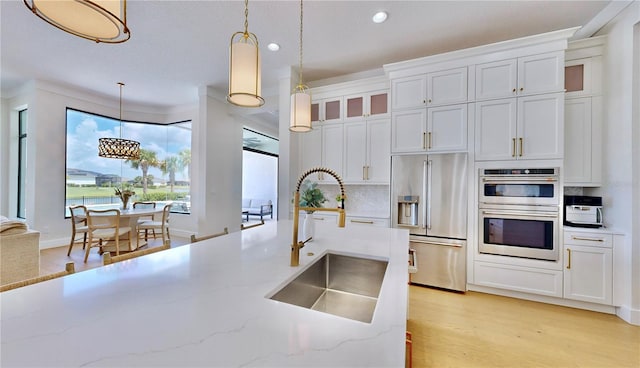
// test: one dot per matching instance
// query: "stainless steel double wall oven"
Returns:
(519, 212)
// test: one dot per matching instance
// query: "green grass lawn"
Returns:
(79, 192)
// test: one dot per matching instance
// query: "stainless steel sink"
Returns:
(344, 286)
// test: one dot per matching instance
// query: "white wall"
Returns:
(620, 136)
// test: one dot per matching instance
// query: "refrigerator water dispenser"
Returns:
(408, 210)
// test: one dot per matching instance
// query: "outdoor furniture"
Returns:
(104, 225)
(78, 226)
(163, 225)
(257, 207)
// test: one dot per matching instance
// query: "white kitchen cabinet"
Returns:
(366, 105)
(529, 127)
(588, 273)
(328, 110)
(524, 279)
(436, 129)
(528, 75)
(432, 89)
(447, 128)
(310, 147)
(583, 142)
(332, 151)
(367, 152)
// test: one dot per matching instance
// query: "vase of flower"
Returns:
(124, 197)
(311, 196)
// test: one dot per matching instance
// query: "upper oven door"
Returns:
(537, 190)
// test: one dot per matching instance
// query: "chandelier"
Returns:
(96, 20)
(119, 147)
(244, 67)
(300, 98)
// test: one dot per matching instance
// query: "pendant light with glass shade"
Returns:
(119, 147)
(244, 67)
(300, 98)
(96, 20)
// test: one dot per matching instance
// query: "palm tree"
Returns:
(170, 165)
(147, 159)
(185, 162)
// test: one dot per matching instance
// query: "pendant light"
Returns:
(96, 20)
(119, 147)
(244, 67)
(300, 98)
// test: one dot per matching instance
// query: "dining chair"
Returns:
(69, 269)
(141, 219)
(78, 226)
(163, 225)
(104, 226)
(107, 259)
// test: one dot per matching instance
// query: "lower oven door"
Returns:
(519, 233)
(441, 262)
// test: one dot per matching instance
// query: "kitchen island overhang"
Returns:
(206, 304)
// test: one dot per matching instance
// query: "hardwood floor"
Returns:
(479, 330)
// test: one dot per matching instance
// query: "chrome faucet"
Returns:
(297, 245)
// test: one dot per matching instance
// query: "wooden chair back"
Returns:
(78, 216)
(69, 269)
(145, 205)
(103, 219)
(107, 259)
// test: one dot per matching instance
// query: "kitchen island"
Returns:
(206, 304)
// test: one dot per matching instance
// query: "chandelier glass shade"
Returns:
(96, 20)
(118, 147)
(300, 98)
(245, 86)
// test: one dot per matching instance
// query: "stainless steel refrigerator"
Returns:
(429, 197)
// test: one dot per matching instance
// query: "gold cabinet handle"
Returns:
(362, 222)
(521, 145)
(424, 140)
(521, 89)
(569, 260)
(587, 239)
(513, 147)
(424, 101)
(364, 177)
(429, 100)
(367, 171)
(429, 140)
(514, 90)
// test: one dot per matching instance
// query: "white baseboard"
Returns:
(629, 314)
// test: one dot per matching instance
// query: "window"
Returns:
(161, 175)
(22, 163)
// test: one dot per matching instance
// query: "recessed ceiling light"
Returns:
(379, 17)
(273, 46)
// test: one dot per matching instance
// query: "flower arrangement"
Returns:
(311, 195)
(124, 195)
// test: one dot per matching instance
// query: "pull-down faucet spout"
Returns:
(297, 245)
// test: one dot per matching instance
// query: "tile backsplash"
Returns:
(362, 200)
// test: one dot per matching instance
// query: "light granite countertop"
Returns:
(205, 304)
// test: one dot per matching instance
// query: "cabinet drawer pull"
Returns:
(587, 239)
(569, 260)
(424, 140)
(429, 140)
(362, 222)
(364, 176)
(318, 218)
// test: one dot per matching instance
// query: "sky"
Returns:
(84, 129)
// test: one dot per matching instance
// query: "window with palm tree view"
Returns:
(161, 174)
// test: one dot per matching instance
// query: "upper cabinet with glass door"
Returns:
(328, 110)
(367, 105)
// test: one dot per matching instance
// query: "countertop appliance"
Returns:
(583, 211)
(429, 197)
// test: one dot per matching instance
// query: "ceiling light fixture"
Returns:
(300, 98)
(118, 147)
(244, 67)
(273, 46)
(96, 20)
(379, 17)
